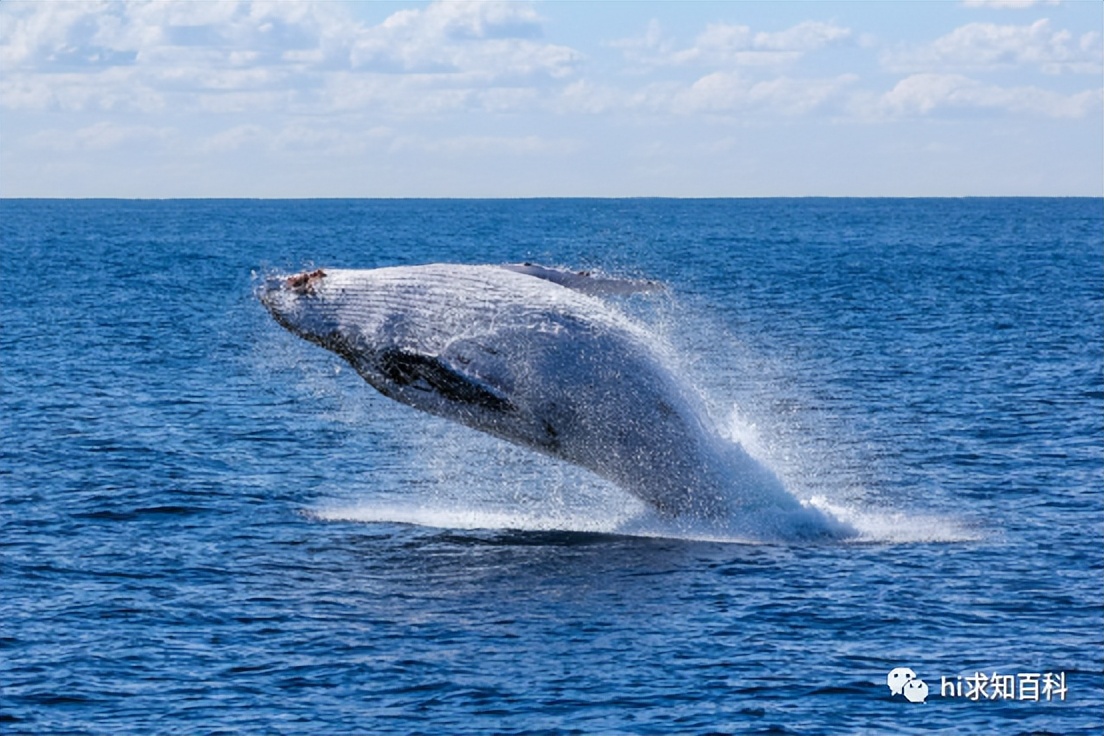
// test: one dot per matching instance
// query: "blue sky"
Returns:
(507, 99)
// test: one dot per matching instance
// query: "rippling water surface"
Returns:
(209, 526)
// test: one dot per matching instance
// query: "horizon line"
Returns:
(551, 197)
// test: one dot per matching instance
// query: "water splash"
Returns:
(892, 526)
(514, 489)
(871, 526)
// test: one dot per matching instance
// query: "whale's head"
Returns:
(354, 313)
(358, 314)
(393, 328)
(308, 304)
(342, 311)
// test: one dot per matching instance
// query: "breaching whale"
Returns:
(535, 356)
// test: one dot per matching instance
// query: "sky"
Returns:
(560, 99)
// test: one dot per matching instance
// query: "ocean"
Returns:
(209, 526)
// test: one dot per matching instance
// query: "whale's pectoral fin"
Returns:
(408, 368)
(585, 281)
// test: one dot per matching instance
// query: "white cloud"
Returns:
(489, 40)
(234, 138)
(237, 55)
(744, 76)
(726, 91)
(726, 44)
(802, 38)
(483, 145)
(112, 89)
(1013, 4)
(593, 98)
(396, 96)
(320, 139)
(645, 49)
(927, 93)
(100, 136)
(300, 90)
(96, 34)
(987, 46)
(330, 140)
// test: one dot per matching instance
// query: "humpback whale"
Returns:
(539, 357)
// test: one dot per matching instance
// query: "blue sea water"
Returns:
(210, 526)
